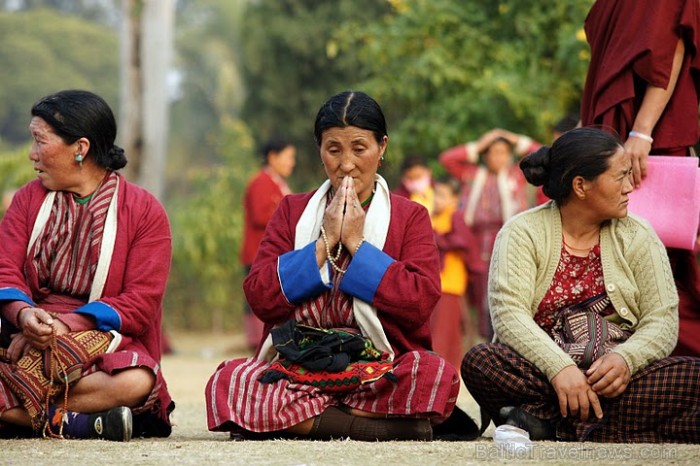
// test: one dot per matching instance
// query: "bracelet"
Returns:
(646, 137)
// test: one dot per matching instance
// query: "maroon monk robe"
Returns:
(632, 45)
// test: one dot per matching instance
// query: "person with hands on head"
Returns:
(585, 310)
(84, 261)
(345, 281)
(493, 190)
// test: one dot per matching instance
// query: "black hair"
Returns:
(451, 182)
(582, 152)
(413, 160)
(497, 140)
(350, 108)
(75, 114)
(276, 144)
(566, 123)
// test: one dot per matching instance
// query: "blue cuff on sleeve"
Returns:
(299, 275)
(13, 294)
(365, 272)
(105, 316)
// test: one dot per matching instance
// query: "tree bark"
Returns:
(130, 127)
(147, 36)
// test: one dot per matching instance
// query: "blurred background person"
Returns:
(262, 196)
(417, 181)
(493, 190)
(450, 323)
(524, 145)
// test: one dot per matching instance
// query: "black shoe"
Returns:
(458, 427)
(539, 429)
(114, 424)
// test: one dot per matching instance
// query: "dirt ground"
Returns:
(196, 358)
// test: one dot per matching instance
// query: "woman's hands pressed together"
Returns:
(343, 220)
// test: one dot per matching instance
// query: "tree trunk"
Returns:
(147, 37)
(130, 126)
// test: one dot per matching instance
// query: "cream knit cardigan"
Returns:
(637, 277)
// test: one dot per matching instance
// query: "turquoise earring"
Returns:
(79, 158)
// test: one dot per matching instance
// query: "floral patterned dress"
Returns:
(576, 279)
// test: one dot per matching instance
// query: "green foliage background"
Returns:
(444, 72)
(44, 51)
(15, 170)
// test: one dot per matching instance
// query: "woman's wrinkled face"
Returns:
(354, 152)
(609, 193)
(498, 156)
(53, 159)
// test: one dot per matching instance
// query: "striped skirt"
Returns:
(426, 386)
(661, 402)
(151, 419)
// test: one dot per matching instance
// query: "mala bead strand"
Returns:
(332, 259)
(56, 367)
(357, 248)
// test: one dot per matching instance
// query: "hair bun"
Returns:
(535, 166)
(116, 158)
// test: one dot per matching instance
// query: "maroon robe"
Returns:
(632, 44)
(262, 196)
(134, 289)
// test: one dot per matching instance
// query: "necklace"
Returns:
(586, 250)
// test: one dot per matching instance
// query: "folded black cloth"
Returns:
(318, 349)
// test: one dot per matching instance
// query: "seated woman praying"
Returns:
(345, 281)
(585, 310)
